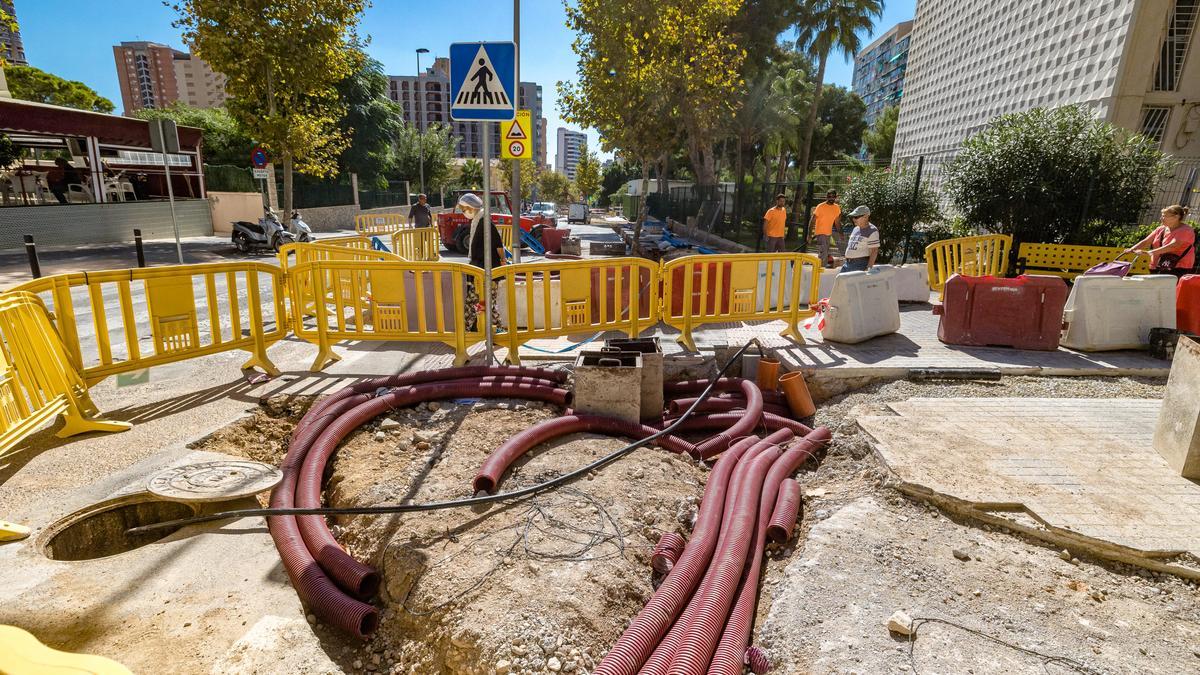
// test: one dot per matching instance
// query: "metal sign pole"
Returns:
(487, 238)
(516, 163)
(171, 194)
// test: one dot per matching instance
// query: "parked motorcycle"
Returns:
(267, 233)
(300, 229)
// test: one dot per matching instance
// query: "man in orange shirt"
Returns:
(825, 219)
(775, 225)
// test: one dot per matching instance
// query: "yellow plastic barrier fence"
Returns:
(1069, 261)
(124, 320)
(506, 236)
(980, 256)
(23, 654)
(347, 248)
(379, 223)
(563, 297)
(38, 381)
(392, 300)
(701, 289)
(417, 243)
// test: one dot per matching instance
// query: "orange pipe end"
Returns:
(795, 390)
(768, 374)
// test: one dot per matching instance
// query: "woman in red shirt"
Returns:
(1172, 245)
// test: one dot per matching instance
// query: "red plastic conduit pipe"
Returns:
(722, 404)
(735, 636)
(726, 384)
(648, 627)
(785, 513)
(745, 423)
(660, 660)
(716, 594)
(502, 457)
(724, 420)
(353, 576)
(668, 549)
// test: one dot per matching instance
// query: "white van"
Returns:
(579, 213)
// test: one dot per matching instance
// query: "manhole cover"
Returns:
(215, 481)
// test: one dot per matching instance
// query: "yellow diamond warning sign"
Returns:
(516, 137)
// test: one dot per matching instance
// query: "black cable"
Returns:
(457, 503)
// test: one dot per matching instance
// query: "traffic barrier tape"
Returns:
(981, 256)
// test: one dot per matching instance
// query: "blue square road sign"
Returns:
(483, 81)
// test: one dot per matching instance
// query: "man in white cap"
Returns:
(864, 242)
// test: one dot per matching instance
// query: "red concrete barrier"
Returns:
(1025, 312)
(1187, 304)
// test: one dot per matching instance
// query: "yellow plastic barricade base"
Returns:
(23, 654)
(12, 532)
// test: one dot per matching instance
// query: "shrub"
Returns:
(889, 194)
(1058, 176)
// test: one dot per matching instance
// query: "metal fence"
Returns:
(226, 178)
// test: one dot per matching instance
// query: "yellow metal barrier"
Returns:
(981, 256)
(378, 223)
(138, 318)
(1069, 261)
(392, 300)
(702, 289)
(417, 243)
(564, 297)
(506, 236)
(38, 381)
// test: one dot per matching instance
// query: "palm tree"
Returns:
(470, 174)
(825, 25)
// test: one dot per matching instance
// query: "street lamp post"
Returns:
(421, 118)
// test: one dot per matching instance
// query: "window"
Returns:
(1180, 28)
(1154, 122)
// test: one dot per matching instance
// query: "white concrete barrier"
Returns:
(538, 304)
(862, 305)
(912, 283)
(1106, 313)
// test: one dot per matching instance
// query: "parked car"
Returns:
(579, 213)
(544, 209)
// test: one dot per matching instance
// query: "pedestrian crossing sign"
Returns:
(483, 79)
(515, 142)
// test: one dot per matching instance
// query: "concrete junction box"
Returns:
(1177, 437)
(608, 383)
(652, 371)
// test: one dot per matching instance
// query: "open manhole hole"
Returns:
(99, 530)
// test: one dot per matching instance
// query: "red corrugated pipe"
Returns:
(355, 577)
(502, 457)
(724, 420)
(785, 513)
(727, 384)
(746, 422)
(734, 637)
(647, 628)
(668, 549)
(722, 404)
(660, 660)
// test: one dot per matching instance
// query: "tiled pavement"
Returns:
(1083, 465)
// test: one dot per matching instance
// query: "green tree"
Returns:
(372, 123)
(438, 145)
(841, 122)
(587, 174)
(789, 104)
(1057, 176)
(555, 187)
(283, 62)
(889, 194)
(470, 175)
(31, 84)
(224, 140)
(881, 138)
(529, 177)
(615, 176)
(823, 26)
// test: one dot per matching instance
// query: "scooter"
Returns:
(300, 229)
(267, 233)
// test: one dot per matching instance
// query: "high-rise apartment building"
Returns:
(434, 85)
(1136, 63)
(10, 40)
(879, 70)
(570, 148)
(155, 76)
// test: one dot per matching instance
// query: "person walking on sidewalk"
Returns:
(864, 242)
(824, 224)
(420, 213)
(775, 224)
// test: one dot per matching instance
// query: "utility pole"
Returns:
(421, 117)
(488, 245)
(516, 163)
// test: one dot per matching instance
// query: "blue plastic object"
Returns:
(378, 245)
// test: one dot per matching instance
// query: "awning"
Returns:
(40, 118)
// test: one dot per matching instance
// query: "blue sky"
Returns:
(74, 38)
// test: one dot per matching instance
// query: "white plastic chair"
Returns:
(79, 194)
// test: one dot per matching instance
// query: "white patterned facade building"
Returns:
(1136, 63)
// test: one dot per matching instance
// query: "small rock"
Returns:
(380, 437)
(554, 664)
(358, 664)
(977, 592)
(900, 623)
(388, 424)
(422, 445)
(311, 618)
(569, 666)
(519, 650)
(503, 667)
(820, 514)
(961, 554)
(1075, 562)
(434, 405)
(375, 660)
(1097, 596)
(1065, 555)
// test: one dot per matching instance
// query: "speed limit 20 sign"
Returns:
(516, 138)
